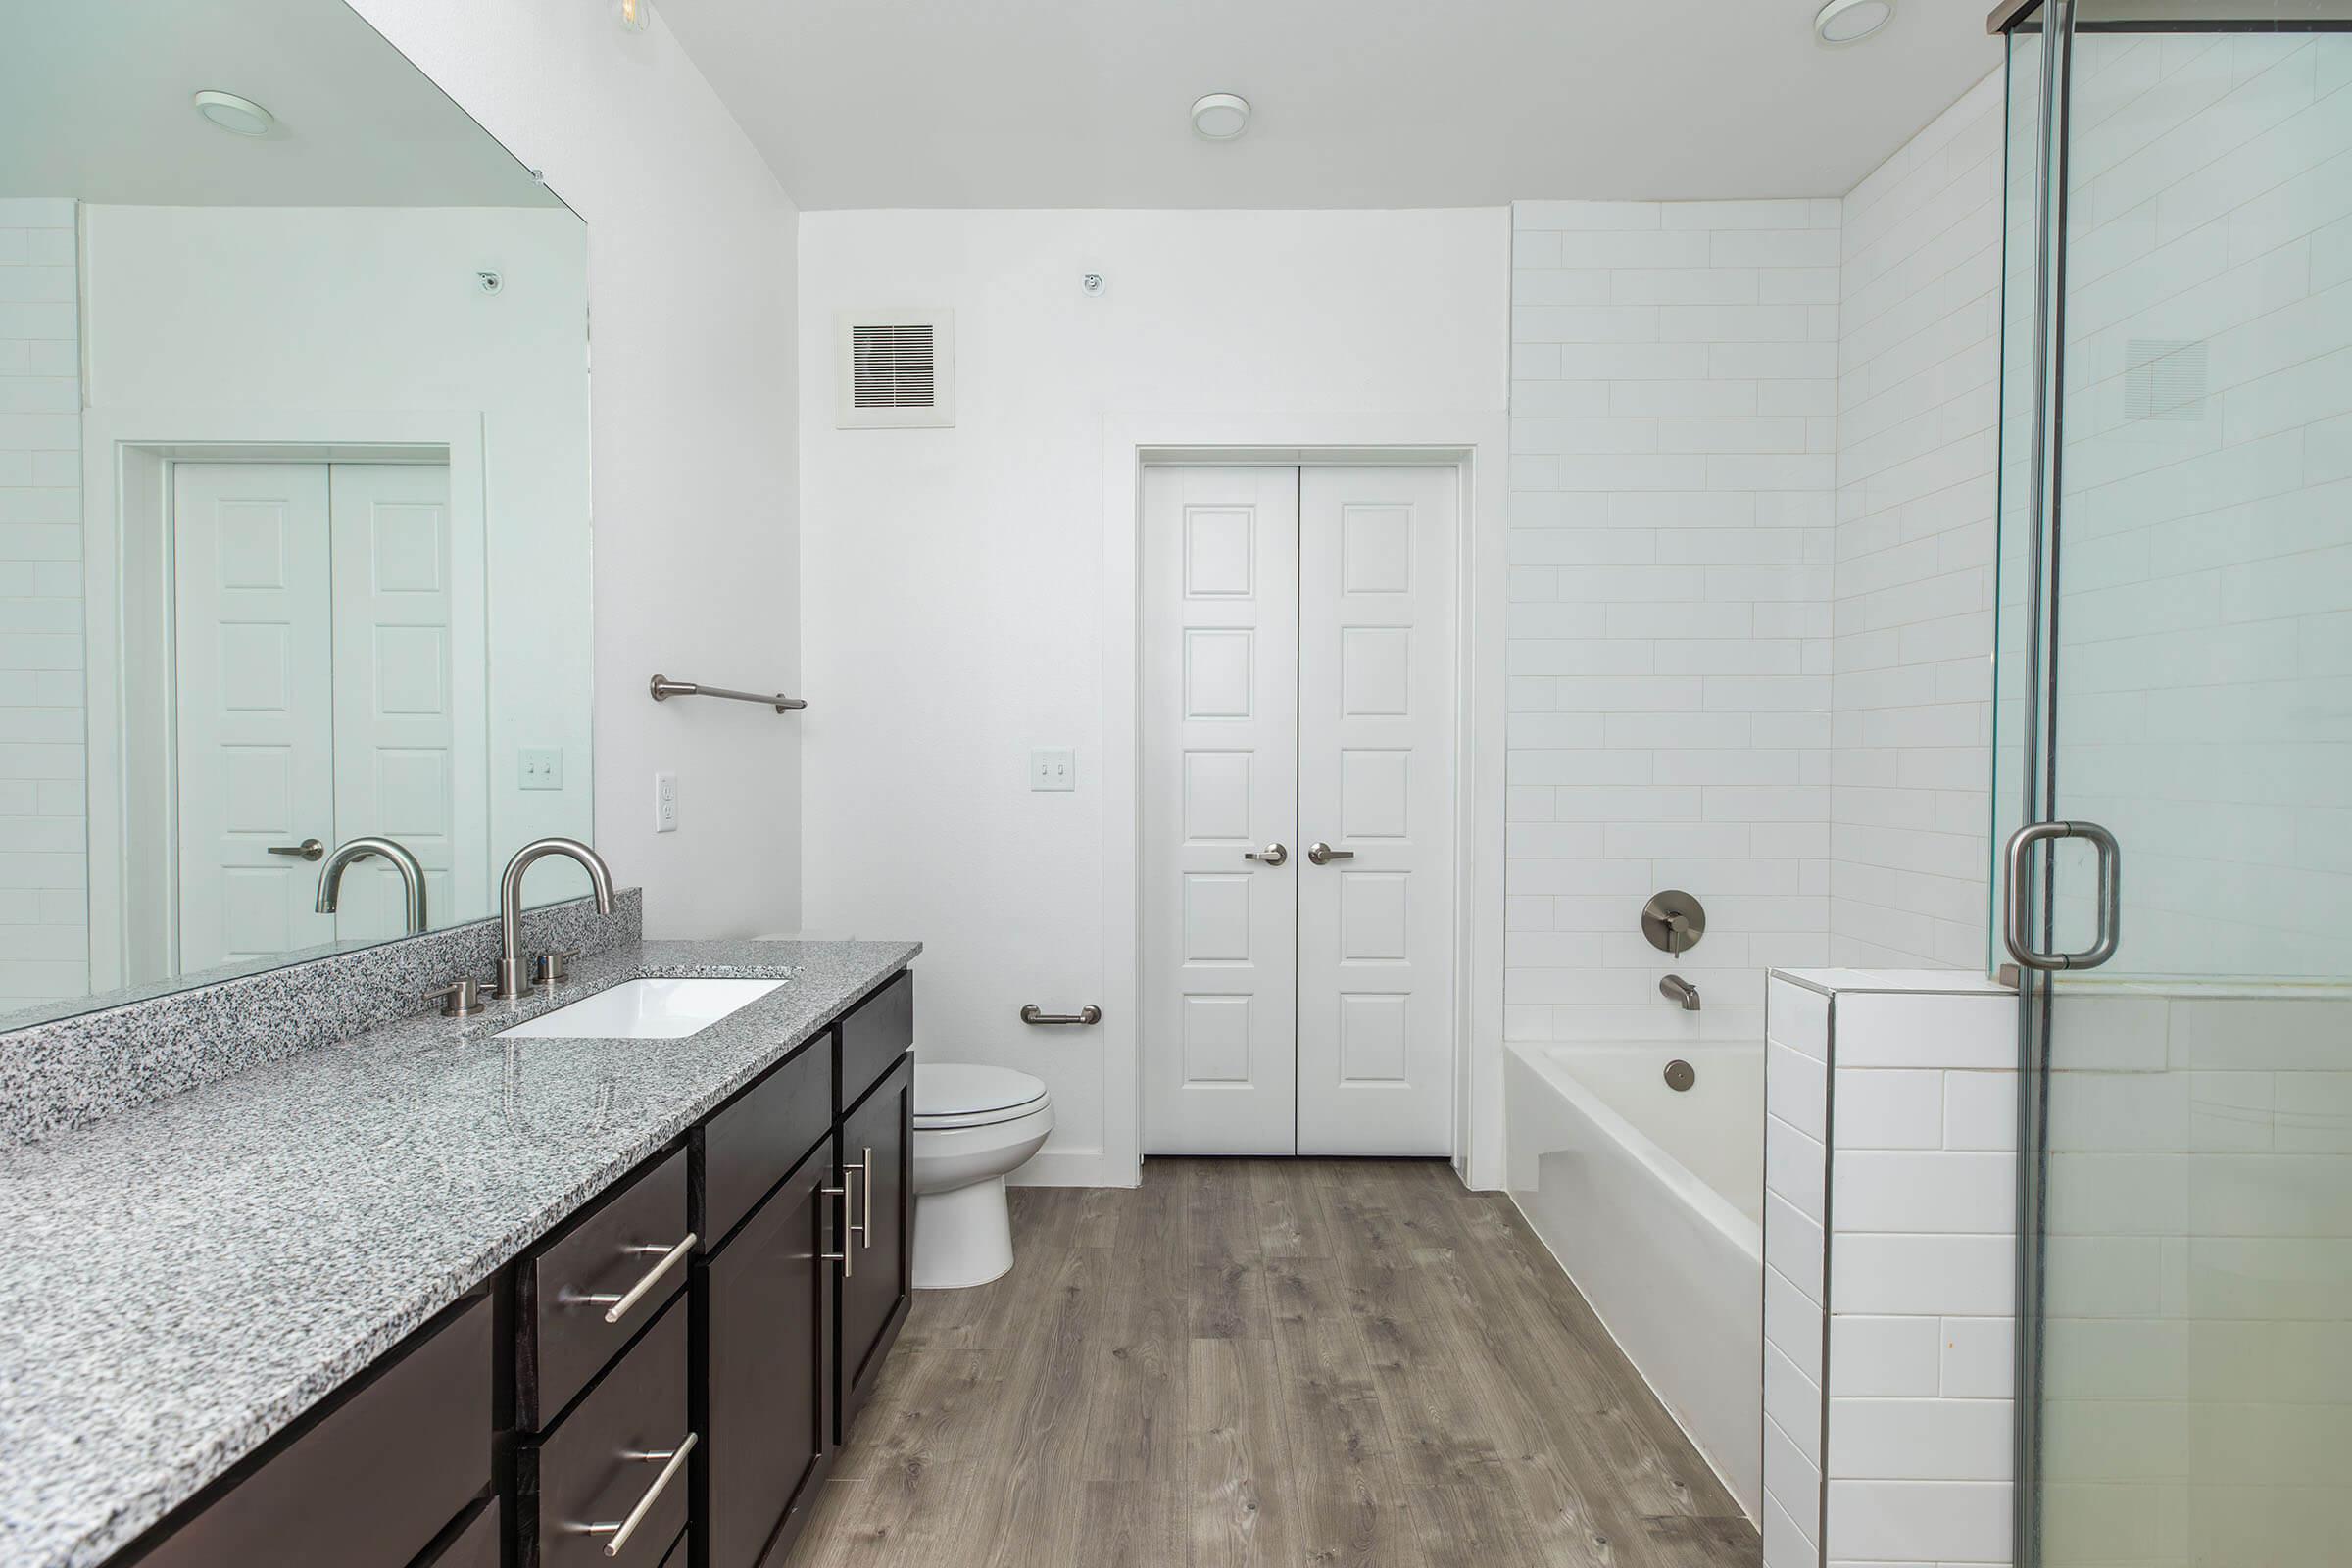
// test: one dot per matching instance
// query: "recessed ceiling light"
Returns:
(241, 117)
(1852, 20)
(1222, 115)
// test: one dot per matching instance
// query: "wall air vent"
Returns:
(895, 368)
(2164, 378)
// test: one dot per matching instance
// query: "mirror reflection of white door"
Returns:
(395, 748)
(312, 641)
(255, 677)
(1298, 643)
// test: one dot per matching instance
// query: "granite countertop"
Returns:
(185, 1278)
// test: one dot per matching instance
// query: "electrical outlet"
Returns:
(665, 802)
(1054, 768)
(542, 767)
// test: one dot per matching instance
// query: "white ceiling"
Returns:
(94, 104)
(1360, 103)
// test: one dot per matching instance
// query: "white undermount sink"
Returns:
(645, 1010)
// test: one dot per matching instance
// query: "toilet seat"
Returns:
(955, 1094)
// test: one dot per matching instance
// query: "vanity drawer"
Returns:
(599, 1463)
(566, 1288)
(874, 1038)
(750, 1145)
(375, 1479)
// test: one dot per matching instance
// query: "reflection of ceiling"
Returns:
(94, 104)
(1360, 103)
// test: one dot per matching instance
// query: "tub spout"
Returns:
(1675, 989)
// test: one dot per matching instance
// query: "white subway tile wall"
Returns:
(2200, 1389)
(1673, 458)
(1919, 1230)
(1918, 399)
(44, 916)
(2206, 623)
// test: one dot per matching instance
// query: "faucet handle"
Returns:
(458, 999)
(551, 968)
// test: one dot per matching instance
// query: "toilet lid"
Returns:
(948, 1089)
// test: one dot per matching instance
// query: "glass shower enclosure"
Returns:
(2174, 750)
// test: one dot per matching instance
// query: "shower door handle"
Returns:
(2020, 852)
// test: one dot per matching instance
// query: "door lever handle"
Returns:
(1271, 854)
(307, 850)
(1323, 853)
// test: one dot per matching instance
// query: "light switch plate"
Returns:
(665, 802)
(542, 767)
(1054, 768)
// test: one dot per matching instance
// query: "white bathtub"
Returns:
(1652, 1200)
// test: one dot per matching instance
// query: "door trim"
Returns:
(1475, 445)
(125, 460)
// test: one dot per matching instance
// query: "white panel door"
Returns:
(397, 757)
(1220, 748)
(255, 654)
(1375, 748)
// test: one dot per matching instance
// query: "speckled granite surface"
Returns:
(145, 1046)
(185, 1277)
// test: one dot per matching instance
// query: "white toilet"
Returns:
(972, 1127)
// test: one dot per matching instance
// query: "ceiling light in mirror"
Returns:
(1843, 22)
(1222, 115)
(636, 14)
(239, 116)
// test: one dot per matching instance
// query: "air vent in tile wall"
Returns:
(2164, 378)
(897, 369)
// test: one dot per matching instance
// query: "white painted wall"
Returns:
(377, 309)
(952, 613)
(691, 267)
(44, 863)
(1673, 450)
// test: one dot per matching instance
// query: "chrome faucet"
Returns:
(412, 876)
(512, 980)
(1674, 988)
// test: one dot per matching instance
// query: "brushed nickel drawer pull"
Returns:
(622, 1532)
(619, 1306)
(847, 1257)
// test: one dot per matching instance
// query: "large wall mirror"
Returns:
(294, 497)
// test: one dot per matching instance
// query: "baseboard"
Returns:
(1073, 1167)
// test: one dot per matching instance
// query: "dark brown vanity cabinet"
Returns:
(660, 1381)
(764, 1311)
(877, 1284)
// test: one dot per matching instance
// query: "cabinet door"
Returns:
(877, 1149)
(767, 1354)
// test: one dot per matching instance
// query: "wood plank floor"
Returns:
(1278, 1362)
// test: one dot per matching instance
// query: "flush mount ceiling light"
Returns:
(239, 116)
(1222, 115)
(1843, 22)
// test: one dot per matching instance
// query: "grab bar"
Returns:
(1087, 1015)
(663, 689)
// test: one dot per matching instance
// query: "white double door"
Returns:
(312, 642)
(1297, 801)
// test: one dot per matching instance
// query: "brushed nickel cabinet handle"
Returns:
(671, 1460)
(865, 1225)
(619, 1306)
(847, 1257)
(307, 850)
